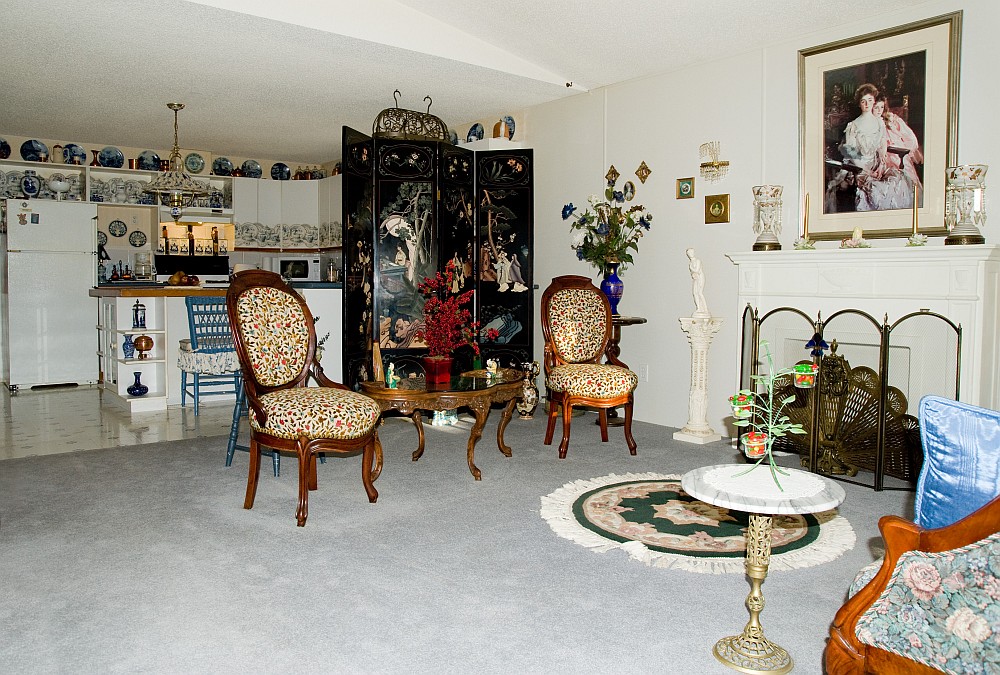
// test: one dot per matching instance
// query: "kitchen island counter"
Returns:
(125, 291)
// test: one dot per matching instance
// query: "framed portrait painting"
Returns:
(878, 126)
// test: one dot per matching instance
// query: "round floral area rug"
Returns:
(651, 518)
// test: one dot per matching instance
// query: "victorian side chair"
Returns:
(276, 344)
(576, 325)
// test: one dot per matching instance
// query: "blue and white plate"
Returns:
(4, 149)
(74, 154)
(34, 151)
(251, 169)
(453, 136)
(194, 162)
(111, 157)
(102, 238)
(280, 171)
(222, 166)
(509, 121)
(137, 238)
(475, 133)
(117, 228)
(149, 161)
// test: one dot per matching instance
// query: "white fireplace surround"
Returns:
(961, 283)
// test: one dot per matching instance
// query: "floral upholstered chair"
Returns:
(576, 324)
(933, 603)
(276, 343)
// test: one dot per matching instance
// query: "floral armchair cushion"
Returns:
(941, 609)
(276, 334)
(317, 412)
(578, 324)
(592, 380)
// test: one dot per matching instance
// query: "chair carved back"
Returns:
(273, 331)
(576, 321)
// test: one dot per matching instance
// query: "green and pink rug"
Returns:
(650, 517)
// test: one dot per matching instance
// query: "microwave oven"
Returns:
(297, 267)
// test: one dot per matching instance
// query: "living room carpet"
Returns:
(651, 518)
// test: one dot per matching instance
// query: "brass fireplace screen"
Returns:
(860, 418)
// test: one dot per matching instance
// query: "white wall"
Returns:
(750, 104)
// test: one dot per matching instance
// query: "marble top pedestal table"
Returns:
(730, 486)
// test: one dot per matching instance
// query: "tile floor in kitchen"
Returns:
(67, 420)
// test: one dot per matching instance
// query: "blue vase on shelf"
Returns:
(137, 389)
(128, 347)
(612, 285)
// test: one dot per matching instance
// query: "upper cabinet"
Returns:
(297, 214)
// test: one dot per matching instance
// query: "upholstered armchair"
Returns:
(276, 343)
(576, 324)
(933, 602)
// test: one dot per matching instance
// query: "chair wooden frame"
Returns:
(561, 402)
(845, 654)
(307, 450)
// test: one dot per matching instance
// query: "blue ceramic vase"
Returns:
(128, 347)
(612, 285)
(137, 389)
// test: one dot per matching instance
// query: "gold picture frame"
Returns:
(716, 209)
(685, 188)
(917, 67)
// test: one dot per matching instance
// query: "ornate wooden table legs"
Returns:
(751, 652)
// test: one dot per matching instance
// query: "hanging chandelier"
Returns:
(174, 187)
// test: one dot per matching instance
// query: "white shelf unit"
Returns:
(114, 323)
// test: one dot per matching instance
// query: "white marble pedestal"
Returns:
(700, 331)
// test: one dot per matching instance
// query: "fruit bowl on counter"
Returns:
(181, 279)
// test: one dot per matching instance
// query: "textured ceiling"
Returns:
(281, 79)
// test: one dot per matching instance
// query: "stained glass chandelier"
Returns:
(174, 187)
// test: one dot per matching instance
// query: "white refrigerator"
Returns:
(49, 266)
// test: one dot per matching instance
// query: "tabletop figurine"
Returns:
(491, 368)
(391, 378)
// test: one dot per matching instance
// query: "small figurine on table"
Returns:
(491, 368)
(391, 378)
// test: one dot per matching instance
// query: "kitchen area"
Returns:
(95, 280)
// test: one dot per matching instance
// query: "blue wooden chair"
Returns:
(207, 360)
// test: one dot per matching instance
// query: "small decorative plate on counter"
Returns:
(137, 238)
(194, 162)
(149, 161)
(74, 154)
(222, 166)
(280, 171)
(475, 133)
(117, 228)
(111, 157)
(34, 151)
(251, 169)
(4, 148)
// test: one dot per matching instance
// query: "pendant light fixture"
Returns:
(174, 187)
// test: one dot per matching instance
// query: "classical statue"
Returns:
(697, 284)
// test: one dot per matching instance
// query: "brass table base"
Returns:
(751, 652)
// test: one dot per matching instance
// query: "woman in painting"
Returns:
(879, 185)
(904, 148)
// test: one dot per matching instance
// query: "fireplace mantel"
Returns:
(959, 282)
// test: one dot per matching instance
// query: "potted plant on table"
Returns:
(448, 325)
(764, 420)
(606, 236)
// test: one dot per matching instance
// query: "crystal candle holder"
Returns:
(767, 217)
(965, 203)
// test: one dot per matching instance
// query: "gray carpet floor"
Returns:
(142, 559)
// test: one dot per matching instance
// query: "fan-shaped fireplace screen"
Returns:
(860, 417)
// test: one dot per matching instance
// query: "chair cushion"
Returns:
(592, 379)
(212, 363)
(275, 332)
(317, 412)
(941, 609)
(578, 323)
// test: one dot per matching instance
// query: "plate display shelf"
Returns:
(87, 175)
(114, 323)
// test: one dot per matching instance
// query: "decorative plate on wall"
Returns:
(280, 171)
(4, 149)
(137, 238)
(509, 121)
(251, 169)
(74, 154)
(194, 162)
(111, 157)
(149, 161)
(222, 166)
(102, 238)
(34, 151)
(117, 228)
(475, 133)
